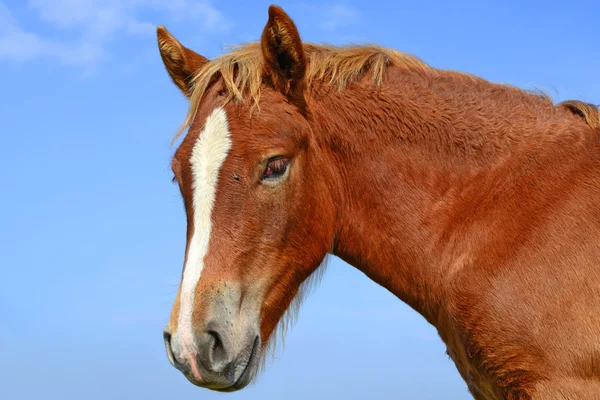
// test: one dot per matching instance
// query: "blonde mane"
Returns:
(241, 72)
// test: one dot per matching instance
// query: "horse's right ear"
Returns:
(181, 62)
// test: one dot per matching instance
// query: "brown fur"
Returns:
(242, 70)
(475, 203)
(242, 73)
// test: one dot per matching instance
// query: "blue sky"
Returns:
(92, 230)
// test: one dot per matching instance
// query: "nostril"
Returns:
(217, 342)
(168, 348)
(217, 354)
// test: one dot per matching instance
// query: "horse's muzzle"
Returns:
(212, 362)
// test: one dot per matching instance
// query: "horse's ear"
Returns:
(181, 62)
(282, 49)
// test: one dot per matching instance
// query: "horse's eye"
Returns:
(276, 168)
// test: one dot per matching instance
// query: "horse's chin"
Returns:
(245, 379)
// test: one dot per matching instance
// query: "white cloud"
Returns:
(91, 25)
(338, 15)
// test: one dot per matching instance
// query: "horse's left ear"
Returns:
(282, 49)
(181, 63)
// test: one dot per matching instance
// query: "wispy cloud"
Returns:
(84, 29)
(337, 15)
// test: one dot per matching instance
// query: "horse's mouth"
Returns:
(249, 370)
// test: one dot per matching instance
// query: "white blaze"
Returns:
(208, 155)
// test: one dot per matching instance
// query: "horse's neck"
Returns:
(413, 157)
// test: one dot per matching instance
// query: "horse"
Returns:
(475, 203)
